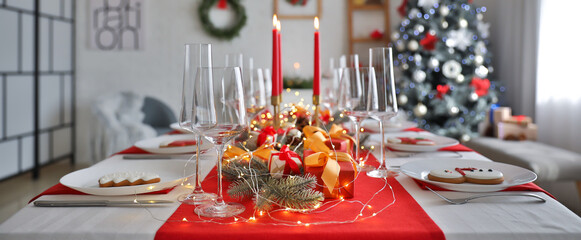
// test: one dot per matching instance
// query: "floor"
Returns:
(22, 188)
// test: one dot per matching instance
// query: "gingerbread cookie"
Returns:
(484, 176)
(120, 179)
(412, 141)
(445, 175)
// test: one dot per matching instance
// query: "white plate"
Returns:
(513, 175)
(388, 126)
(176, 126)
(86, 180)
(440, 142)
(152, 144)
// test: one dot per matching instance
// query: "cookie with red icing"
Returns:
(445, 175)
(411, 140)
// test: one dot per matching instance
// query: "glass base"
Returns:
(365, 168)
(219, 210)
(197, 198)
(381, 173)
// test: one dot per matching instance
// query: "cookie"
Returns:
(445, 175)
(412, 141)
(484, 176)
(120, 179)
(177, 143)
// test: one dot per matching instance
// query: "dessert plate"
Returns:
(153, 145)
(171, 173)
(513, 175)
(372, 126)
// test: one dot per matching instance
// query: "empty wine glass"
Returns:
(255, 91)
(230, 115)
(196, 110)
(383, 105)
(353, 99)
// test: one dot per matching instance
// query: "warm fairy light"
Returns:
(372, 147)
(229, 146)
(362, 147)
(252, 218)
(299, 222)
(260, 213)
(307, 224)
(296, 65)
(344, 131)
(274, 20)
(288, 90)
(361, 129)
(346, 185)
(268, 115)
(374, 214)
(135, 201)
(369, 206)
(342, 199)
(278, 25)
(317, 205)
(297, 93)
(184, 220)
(235, 219)
(285, 105)
(316, 23)
(361, 214)
(333, 119)
(341, 115)
(151, 187)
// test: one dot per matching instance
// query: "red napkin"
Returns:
(405, 219)
(523, 187)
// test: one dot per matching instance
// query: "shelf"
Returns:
(364, 40)
(380, 6)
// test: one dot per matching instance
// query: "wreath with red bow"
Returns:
(226, 33)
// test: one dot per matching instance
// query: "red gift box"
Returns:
(344, 186)
(284, 163)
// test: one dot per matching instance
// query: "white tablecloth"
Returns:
(511, 218)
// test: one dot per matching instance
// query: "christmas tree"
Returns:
(443, 63)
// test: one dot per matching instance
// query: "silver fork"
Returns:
(457, 201)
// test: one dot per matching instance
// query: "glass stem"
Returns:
(198, 184)
(383, 162)
(220, 199)
(357, 132)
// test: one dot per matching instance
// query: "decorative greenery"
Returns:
(222, 33)
(295, 192)
(297, 82)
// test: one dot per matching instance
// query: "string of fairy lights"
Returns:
(365, 211)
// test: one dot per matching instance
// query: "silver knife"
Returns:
(96, 203)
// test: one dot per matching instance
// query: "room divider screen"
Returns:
(37, 84)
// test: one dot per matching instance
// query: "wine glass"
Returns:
(255, 91)
(230, 114)
(353, 99)
(196, 110)
(383, 105)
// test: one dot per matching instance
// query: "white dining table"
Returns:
(486, 218)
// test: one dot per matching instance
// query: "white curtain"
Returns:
(558, 108)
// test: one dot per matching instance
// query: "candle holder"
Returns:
(316, 114)
(275, 101)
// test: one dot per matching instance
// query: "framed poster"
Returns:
(116, 24)
(297, 9)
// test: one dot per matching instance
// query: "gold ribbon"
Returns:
(316, 137)
(262, 152)
(330, 162)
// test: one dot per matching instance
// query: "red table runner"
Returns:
(405, 219)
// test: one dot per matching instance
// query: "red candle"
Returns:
(275, 58)
(317, 77)
(280, 77)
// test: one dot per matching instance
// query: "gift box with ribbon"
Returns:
(516, 131)
(335, 172)
(284, 163)
(337, 139)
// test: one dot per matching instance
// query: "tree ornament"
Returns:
(461, 39)
(444, 11)
(399, 45)
(405, 66)
(420, 110)
(442, 90)
(413, 45)
(478, 60)
(480, 48)
(427, 4)
(394, 36)
(451, 69)
(419, 28)
(460, 78)
(465, 138)
(402, 99)
(227, 33)
(429, 41)
(419, 76)
(413, 13)
(479, 16)
(473, 97)
(453, 111)
(417, 57)
(463, 23)
(444, 24)
(481, 71)
(433, 63)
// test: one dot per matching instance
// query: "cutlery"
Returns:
(96, 203)
(458, 201)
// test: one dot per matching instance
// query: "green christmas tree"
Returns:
(443, 66)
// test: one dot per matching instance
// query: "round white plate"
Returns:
(371, 125)
(152, 144)
(176, 126)
(440, 142)
(86, 180)
(513, 175)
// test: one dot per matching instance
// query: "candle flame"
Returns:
(316, 23)
(274, 20)
(278, 25)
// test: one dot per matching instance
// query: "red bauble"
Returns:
(442, 90)
(480, 86)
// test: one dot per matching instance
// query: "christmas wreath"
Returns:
(222, 33)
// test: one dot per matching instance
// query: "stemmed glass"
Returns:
(383, 104)
(353, 100)
(230, 114)
(255, 91)
(196, 110)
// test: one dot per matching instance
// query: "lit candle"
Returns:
(317, 77)
(275, 58)
(280, 77)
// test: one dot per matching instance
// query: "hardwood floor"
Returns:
(17, 191)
